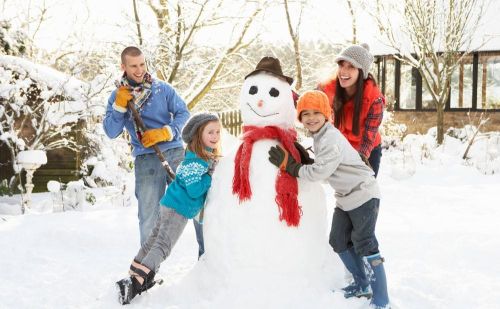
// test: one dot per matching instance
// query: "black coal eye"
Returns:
(274, 92)
(253, 90)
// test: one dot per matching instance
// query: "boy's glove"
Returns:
(280, 157)
(304, 154)
(365, 159)
(154, 136)
(123, 95)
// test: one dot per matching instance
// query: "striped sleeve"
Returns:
(372, 123)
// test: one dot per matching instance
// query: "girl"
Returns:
(356, 192)
(357, 103)
(183, 200)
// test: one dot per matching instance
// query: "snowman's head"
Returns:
(266, 100)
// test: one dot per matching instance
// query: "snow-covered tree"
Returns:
(13, 41)
(433, 36)
(184, 56)
(41, 109)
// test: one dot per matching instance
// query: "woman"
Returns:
(357, 103)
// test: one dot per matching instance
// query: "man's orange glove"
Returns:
(123, 95)
(154, 136)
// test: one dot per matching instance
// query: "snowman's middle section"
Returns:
(249, 236)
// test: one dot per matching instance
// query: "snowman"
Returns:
(265, 231)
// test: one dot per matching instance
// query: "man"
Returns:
(164, 114)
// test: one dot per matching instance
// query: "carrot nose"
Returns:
(260, 103)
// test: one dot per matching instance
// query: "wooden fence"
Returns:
(231, 121)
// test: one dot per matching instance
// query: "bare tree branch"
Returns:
(439, 36)
(137, 22)
(294, 35)
(353, 21)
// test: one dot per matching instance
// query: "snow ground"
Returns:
(437, 230)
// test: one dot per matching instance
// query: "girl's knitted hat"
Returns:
(316, 100)
(359, 56)
(194, 123)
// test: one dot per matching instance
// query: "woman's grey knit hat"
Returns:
(359, 56)
(194, 123)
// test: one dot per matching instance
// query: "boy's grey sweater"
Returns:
(337, 162)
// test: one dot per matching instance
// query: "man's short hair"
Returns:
(130, 51)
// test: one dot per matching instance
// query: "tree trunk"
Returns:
(440, 123)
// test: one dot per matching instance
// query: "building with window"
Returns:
(475, 89)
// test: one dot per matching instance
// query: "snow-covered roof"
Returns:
(53, 79)
(482, 43)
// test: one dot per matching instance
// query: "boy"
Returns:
(357, 196)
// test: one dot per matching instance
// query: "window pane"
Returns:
(408, 88)
(489, 82)
(461, 85)
(427, 100)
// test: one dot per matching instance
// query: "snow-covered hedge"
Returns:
(404, 155)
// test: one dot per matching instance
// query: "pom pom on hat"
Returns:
(359, 56)
(194, 123)
(315, 100)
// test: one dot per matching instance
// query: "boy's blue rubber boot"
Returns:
(361, 285)
(378, 282)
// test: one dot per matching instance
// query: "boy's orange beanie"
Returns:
(316, 100)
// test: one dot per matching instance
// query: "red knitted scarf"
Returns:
(286, 186)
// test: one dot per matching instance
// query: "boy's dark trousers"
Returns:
(355, 228)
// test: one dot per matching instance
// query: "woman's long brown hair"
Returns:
(341, 98)
(197, 146)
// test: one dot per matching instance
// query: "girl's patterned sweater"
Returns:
(188, 192)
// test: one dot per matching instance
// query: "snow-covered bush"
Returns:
(462, 134)
(392, 132)
(74, 195)
(70, 196)
(108, 160)
(12, 41)
(90, 198)
(4, 188)
(484, 152)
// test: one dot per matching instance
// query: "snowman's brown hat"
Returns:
(270, 65)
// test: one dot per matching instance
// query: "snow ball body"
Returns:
(248, 237)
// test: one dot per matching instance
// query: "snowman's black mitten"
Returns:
(304, 154)
(280, 157)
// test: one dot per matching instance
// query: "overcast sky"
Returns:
(96, 22)
(103, 21)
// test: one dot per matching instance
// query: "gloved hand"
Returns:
(280, 157)
(211, 167)
(154, 136)
(123, 95)
(365, 159)
(304, 154)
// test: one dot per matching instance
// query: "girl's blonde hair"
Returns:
(196, 144)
